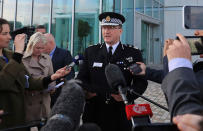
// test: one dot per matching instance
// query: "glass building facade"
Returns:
(75, 24)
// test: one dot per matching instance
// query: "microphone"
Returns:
(76, 61)
(116, 80)
(138, 113)
(66, 112)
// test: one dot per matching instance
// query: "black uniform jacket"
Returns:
(92, 71)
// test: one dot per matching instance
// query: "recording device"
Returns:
(76, 60)
(135, 68)
(116, 80)
(192, 17)
(28, 30)
(195, 43)
(138, 113)
(66, 112)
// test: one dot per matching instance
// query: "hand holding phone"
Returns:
(195, 43)
(135, 69)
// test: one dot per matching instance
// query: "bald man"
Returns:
(60, 57)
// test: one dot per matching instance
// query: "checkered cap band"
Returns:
(113, 21)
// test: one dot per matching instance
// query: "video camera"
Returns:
(28, 30)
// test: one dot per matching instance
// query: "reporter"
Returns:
(181, 87)
(15, 79)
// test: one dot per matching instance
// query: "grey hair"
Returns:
(34, 39)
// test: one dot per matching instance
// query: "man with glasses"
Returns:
(104, 107)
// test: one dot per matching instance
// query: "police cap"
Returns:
(111, 18)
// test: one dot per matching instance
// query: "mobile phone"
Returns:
(192, 17)
(135, 68)
(195, 43)
(156, 127)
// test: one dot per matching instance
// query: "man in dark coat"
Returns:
(60, 58)
(181, 87)
(104, 107)
(15, 79)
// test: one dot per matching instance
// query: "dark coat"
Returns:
(157, 75)
(60, 59)
(182, 91)
(108, 116)
(12, 88)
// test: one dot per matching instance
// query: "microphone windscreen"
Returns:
(114, 76)
(89, 127)
(138, 110)
(66, 112)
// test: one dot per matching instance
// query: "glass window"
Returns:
(156, 9)
(128, 26)
(41, 12)
(1, 7)
(162, 13)
(86, 27)
(9, 11)
(62, 23)
(108, 5)
(139, 6)
(24, 13)
(117, 6)
(148, 7)
(162, 2)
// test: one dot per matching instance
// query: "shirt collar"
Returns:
(52, 52)
(114, 46)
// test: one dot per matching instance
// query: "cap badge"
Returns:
(108, 18)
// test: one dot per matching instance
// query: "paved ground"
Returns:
(155, 93)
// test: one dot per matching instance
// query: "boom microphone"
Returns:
(66, 112)
(116, 80)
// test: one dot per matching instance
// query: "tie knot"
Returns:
(110, 49)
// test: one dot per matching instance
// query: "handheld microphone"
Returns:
(138, 113)
(76, 60)
(66, 112)
(116, 80)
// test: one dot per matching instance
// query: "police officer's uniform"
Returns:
(103, 109)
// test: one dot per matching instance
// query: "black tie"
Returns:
(110, 53)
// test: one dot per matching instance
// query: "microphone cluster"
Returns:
(139, 114)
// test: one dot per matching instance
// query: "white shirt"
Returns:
(113, 46)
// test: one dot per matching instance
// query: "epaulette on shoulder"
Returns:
(97, 45)
(131, 46)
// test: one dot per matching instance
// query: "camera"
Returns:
(195, 43)
(28, 30)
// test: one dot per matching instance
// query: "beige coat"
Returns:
(37, 103)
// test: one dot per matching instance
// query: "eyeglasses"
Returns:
(110, 27)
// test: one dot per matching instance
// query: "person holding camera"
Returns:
(182, 88)
(15, 79)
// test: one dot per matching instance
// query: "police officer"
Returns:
(104, 107)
